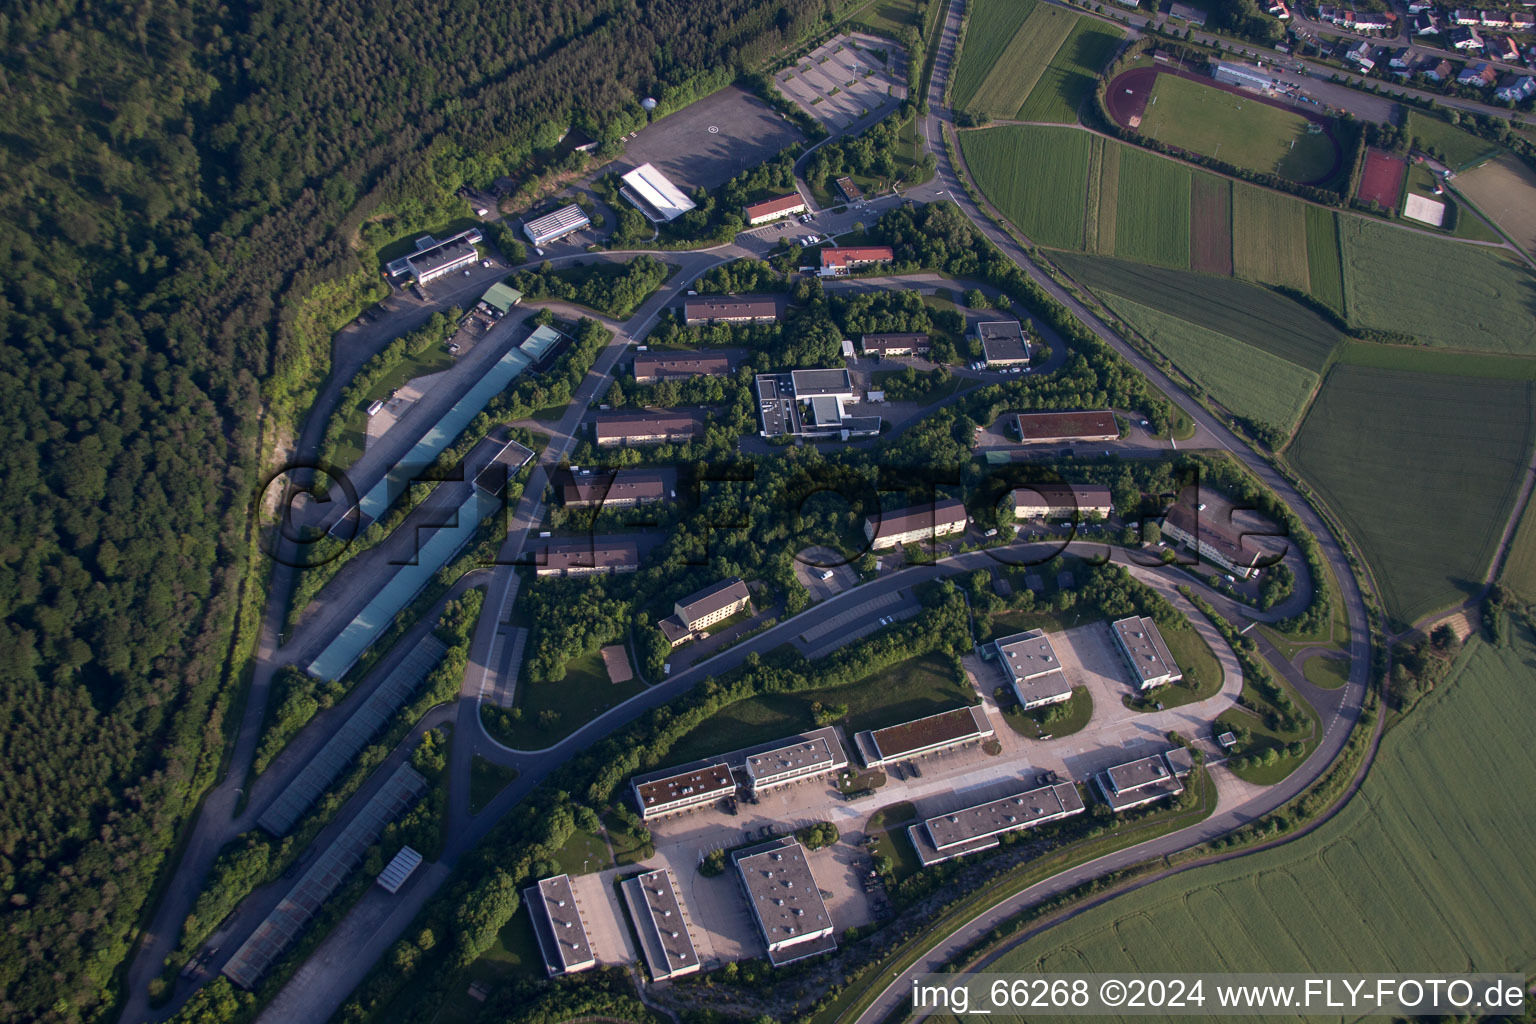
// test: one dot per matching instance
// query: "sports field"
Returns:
(1442, 292)
(1505, 190)
(1210, 224)
(1152, 216)
(1381, 180)
(1426, 869)
(1424, 470)
(1070, 77)
(1247, 380)
(1037, 177)
(1269, 237)
(1023, 61)
(1325, 271)
(1254, 315)
(1236, 128)
(991, 26)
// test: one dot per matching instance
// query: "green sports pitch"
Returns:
(1238, 129)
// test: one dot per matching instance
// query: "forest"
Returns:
(191, 195)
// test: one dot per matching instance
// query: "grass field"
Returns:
(1253, 315)
(889, 18)
(353, 440)
(990, 27)
(1108, 199)
(575, 700)
(1423, 470)
(486, 779)
(1418, 359)
(1237, 129)
(1024, 60)
(1458, 149)
(1247, 380)
(1037, 177)
(918, 687)
(1325, 271)
(1442, 292)
(1072, 73)
(1519, 572)
(1426, 870)
(1152, 210)
(1210, 224)
(1269, 237)
(1505, 190)
(1094, 195)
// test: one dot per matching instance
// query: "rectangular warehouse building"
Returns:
(1141, 644)
(586, 556)
(624, 488)
(894, 344)
(703, 609)
(942, 731)
(651, 367)
(922, 522)
(558, 925)
(1139, 782)
(659, 921)
(980, 827)
(653, 195)
(845, 261)
(669, 794)
(1032, 669)
(646, 427)
(730, 309)
(1057, 500)
(1241, 74)
(564, 221)
(785, 900)
(1057, 427)
(433, 259)
(807, 757)
(1003, 343)
(773, 209)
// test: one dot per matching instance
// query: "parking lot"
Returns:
(709, 142)
(813, 562)
(845, 79)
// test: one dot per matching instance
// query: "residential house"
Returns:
(1466, 39)
(1493, 19)
(1515, 89)
(1426, 24)
(1503, 48)
(1435, 70)
(1480, 74)
(1468, 18)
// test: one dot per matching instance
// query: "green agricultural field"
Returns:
(1152, 215)
(990, 27)
(1237, 129)
(1269, 237)
(1020, 66)
(1423, 470)
(1254, 315)
(1325, 271)
(1458, 149)
(1417, 359)
(1037, 177)
(1108, 189)
(1442, 292)
(1519, 572)
(1249, 381)
(1427, 869)
(1073, 72)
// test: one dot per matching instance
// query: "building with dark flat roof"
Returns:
(648, 426)
(433, 259)
(654, 366)
(832, 383)
(700, 610)
(981, 826)
(942, 731)
(587, 556)
(919, 522)
(1141, 644)
(785, 900)
(661, 925)
(1032, 669)
(673, 793)
(1061, 500)
(810, 403)
(1058, 427)
(558, 925)
(511, 458)
(1139, 782)
(624, 488)
(730, 309)
(1003, 342)
(894, 344)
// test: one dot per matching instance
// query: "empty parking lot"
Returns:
(709, 142)
(845, 79)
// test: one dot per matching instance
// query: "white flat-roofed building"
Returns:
(663, 928)
(1141, 644)
(1048, 501)
(1032, 669)
(942, 731)
(785, 900)
(400, 867)
(980, 827)
(433, 259)
(653, 195)
(920, 522)
(1241, 74)
(804, 758)
(564, 221)
(1139, 782)
(668, 794)
(558, 925)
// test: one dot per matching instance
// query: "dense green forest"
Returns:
(190, 197)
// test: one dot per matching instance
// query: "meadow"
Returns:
(1237, 129)
(1442, 292)
(991, 26)
(1253, 315)
(1070, 77)
(887, 18)
(1037, 177)
(1249, 381)
(1269, 237)
(1505, 190)
(1423, 470)
(1325, 270)
(1426, 869)
(1024, 60)
(1152, 217)
(1519, 571)
(1458, 149)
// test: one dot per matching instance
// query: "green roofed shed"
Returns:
(502, 296)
